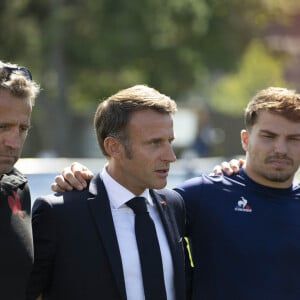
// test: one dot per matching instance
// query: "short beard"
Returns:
(277, 176)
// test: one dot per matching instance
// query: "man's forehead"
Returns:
(272, 122)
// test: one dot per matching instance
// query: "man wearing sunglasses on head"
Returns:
(17, 96)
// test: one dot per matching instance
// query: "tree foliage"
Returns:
(81, 51)
(258, 69)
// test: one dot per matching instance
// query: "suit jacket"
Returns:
(76, 248)
(16, 248)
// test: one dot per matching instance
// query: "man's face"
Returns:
(272, 150)
(150, 135)
(14, 124)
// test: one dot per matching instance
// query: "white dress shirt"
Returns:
(123, 218)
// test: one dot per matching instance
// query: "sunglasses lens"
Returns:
(26, 73)
(24, 70)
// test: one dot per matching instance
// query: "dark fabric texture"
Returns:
(245, 238)
(76, 250)
(16, 249)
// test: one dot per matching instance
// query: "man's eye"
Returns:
(3, 126)
(296, 139)
(267, 136)
(24, 128)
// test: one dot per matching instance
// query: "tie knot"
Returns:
(138, 205)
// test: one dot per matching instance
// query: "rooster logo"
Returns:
(15, 205)
(242, 205)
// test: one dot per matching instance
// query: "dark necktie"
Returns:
(149, 251)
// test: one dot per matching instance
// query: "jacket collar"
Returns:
(12, 180)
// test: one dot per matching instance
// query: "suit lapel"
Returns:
(167, 218)
(175, 240)
(101, 213)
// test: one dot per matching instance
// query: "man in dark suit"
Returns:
(17, 97)
(84, 241)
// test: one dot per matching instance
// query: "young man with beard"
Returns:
(245, 229)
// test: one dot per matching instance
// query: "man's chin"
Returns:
(279, 176)
(6, 167)
(160, 185)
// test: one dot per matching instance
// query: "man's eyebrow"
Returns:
(267, 131)
(274, 133)
(296, 135)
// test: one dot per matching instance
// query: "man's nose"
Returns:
(281, 146)
(169, 154)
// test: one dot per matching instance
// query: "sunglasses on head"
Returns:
(24, 70)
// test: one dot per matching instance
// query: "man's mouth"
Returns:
(279, 162)
(163, 172)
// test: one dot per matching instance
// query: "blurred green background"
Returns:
(210, 56)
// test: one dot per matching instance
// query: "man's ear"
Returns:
(244, 139)
(113, 147)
